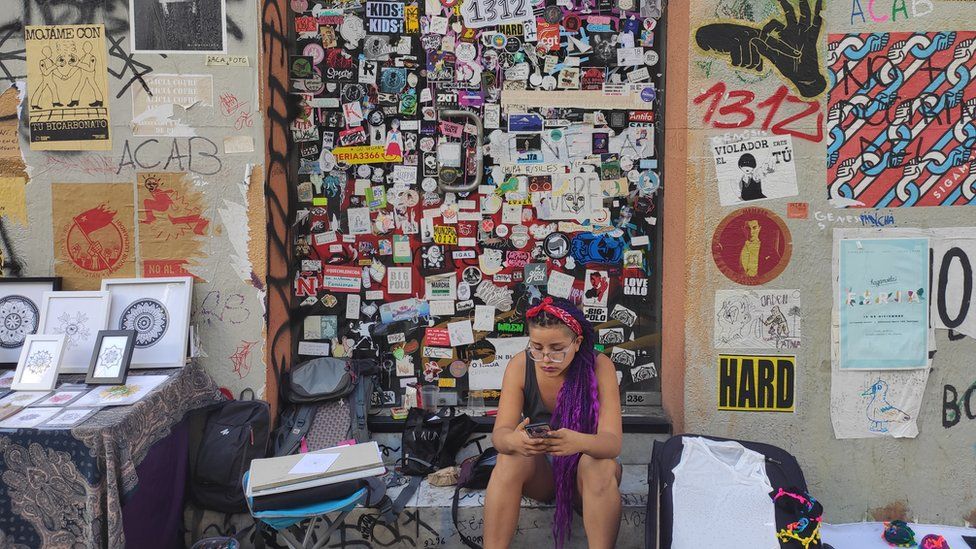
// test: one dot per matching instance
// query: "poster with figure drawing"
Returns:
(757, 319)
(754, 169)
(67, 85)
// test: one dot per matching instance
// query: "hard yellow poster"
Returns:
(93, 232)
(67, 85)
(172, 226)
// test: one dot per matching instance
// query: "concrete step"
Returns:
(426, 521)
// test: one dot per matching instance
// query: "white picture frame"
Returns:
(79, 316)
(40, 359)
(158, 309)
(20, 303)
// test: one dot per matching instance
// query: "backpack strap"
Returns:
(651, 525)
(359, 409)
(454, 516)
(408, 491)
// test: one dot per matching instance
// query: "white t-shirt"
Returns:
(721, 498)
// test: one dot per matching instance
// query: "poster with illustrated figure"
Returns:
(67, 85)
(757, 319)
(754, 169)
(178, 26)
(883, 301)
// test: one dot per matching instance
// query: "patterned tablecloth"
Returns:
(65, 488)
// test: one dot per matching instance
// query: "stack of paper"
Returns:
(328, 466)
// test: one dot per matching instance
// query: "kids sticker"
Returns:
(752, 246)
(756, 383)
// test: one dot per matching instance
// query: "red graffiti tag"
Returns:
(733, 109)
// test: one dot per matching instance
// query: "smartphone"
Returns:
(538, 430)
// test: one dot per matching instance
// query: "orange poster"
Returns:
(93, 233)
(172, 225)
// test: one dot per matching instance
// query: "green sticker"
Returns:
(398, 353)
(599, 348)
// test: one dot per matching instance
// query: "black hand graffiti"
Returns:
(791, 46)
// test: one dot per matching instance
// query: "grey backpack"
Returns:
(318, 380)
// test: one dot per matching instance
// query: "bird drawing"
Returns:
(880, 412)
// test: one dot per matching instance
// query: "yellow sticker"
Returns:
(447, 382)
(364, 154)
(412, 17)
(444, 234)
(13, 199)
(756, 383)
(320, 201)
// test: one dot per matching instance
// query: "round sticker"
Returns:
(411, 198)
(501, 230)
(491, 203)
(459, 368)
(752, 246)
(471, 275)
(648, 182)
(571, 23)
(514, 44)
(316, 51)
(429, 184)
(556, 245)
(651, 57)
(648, 94)
(553, 14)
(327, 161)
(487, 225)
(364, 171)
(427, 144)
(549, 82)
(499, 41)
(520, 236)
(535, 79)
(377, 118)
(626, 163)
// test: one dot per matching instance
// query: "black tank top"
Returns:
(532, 405)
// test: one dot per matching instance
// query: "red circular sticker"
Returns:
(752, 246)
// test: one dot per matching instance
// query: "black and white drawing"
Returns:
(110, 360)
(37, 369)
(20, 313)
(78, 316)
(178, 26)
(149, 318)
(754, 169)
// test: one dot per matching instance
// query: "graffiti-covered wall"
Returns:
(817, 129)
(457, 162)
(131, 145)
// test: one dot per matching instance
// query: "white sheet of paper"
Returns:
(353, 302)
(460, 333)
(484, 318)
(313, 463)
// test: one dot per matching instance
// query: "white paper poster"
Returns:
(757, 319)
(754, 169)
(488, 375)
(953, 261)
(873, 403)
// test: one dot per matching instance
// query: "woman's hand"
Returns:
(522, 444)
(564, 442)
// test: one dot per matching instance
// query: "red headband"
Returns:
(567, 319)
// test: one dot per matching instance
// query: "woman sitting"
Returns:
(562, 381)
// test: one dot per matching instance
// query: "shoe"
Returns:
(74, 103)
(57, 104)
(38, 107)
(95, 104)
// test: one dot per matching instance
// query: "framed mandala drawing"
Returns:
(40, 358)
(158, 309)
(110, 360)
(20, 313)
(79, 316)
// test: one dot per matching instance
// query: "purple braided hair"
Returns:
(577, 408)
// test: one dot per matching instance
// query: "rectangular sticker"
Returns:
(756, 383)
(365, 154)
(342, 278)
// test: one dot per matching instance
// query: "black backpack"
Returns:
(474, 475)
(234, 433)
(782, 469)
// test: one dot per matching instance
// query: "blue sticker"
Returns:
(597, 248)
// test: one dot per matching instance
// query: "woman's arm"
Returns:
(508, 436)
(606, 443)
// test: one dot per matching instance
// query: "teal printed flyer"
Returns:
(884, 303)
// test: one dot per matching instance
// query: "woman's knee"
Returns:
(513, 469)
(598, 476)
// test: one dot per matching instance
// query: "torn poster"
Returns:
(488, 375)
(154, 111)
(11, 158)
(883, 303)
(172, 225)
(754, 169)
(67, 80)
(13, 199)
(93, 233)
(757, 319)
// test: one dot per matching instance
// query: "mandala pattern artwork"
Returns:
(19, 318)
(149, 318)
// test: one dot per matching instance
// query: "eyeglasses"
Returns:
(555, 356)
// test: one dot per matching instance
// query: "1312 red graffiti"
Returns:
(734, 109)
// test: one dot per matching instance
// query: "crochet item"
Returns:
(898, 534)
(933, 541)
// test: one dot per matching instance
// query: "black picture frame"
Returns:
(55, 285)
(118, 379)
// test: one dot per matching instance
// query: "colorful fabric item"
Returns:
(798, 516)
(898, 534)
(547, 306)
(933, 541)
